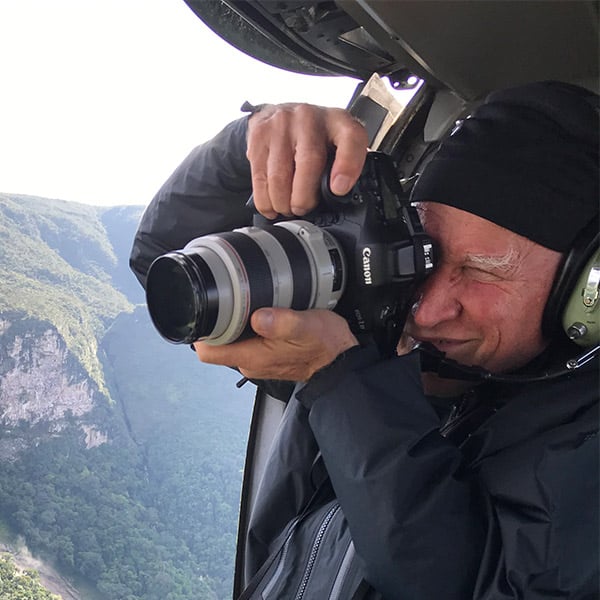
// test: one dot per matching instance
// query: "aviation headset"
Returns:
(574, 301)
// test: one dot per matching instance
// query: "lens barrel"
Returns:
(209, 289)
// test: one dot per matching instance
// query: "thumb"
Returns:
(341, 184)
(279, 323)
(262, 322)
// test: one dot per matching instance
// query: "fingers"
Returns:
(310, 161)
(290, 345)
(271, 157)
(288, 147)
(351, 149)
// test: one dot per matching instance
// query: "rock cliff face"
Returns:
(37, 388)
(58, 295)
(41, 384)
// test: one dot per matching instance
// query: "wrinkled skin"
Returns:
(483, 304)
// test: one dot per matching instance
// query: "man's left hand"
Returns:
(290, 345)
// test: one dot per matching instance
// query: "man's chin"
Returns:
(434, 385)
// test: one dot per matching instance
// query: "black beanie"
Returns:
(526, 159)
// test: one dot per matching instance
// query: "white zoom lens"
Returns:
(209, 289)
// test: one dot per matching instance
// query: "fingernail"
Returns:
(298, 211)
(341, 185)
(263, 319)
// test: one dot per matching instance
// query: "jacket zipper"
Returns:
(340, 578)
(280, 563)
(315, 549)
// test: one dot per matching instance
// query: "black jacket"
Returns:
(507, 509)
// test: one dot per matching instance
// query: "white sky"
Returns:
(101, 99)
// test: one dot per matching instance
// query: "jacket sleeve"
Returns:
(207, 193)
(416, 524)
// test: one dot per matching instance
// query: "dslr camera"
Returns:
(361, 255)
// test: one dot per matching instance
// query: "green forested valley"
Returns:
(120, 454)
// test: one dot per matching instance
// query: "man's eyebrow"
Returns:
(505, 262)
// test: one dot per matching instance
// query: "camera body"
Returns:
(386, 250)
(361, 255)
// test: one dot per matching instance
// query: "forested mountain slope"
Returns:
(120, 454)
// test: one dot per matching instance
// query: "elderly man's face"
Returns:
(484, 302)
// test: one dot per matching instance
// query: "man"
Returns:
(385, 481)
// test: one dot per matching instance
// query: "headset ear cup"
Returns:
(566, 294)
(581, 317)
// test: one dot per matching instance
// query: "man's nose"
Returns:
(438, 300)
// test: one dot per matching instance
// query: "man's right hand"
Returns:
(288, 146)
